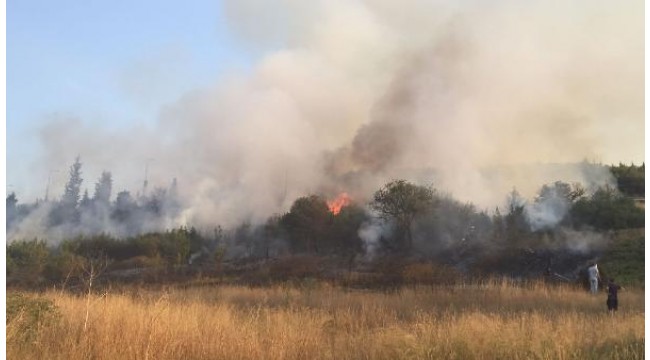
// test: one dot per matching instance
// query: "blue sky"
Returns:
(111, 62)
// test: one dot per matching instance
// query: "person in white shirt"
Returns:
(594, 276)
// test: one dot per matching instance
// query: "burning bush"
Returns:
(342, 200)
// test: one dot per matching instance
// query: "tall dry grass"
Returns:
(496, 320)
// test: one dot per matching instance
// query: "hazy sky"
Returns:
(560, 80)
(114, 63)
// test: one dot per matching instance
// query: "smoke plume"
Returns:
(474, 97)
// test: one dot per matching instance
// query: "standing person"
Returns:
(594, 276)
(612, 296)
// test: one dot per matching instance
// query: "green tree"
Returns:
(93, 247)
(148, 245)
(561, 190)
(607, 209)
(66, 210)
(197, 241)
(344, 234)
(63, 266)
(402, 202)
(12, 210)
(244, 237)
(125, 207)
(306, 223)
(516, 225)
(552, 204)
(85, 202)
(499, 228)
(154, 204)
(175, 247)
(73, 186)
(103, 189)
(630, 179)
(271, 232)
(26, 260)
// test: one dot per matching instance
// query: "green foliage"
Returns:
(147, 245)
(499, 227)
(415, 212)
(402, 202)
(87, 247)
(630, 179)
(560, 190)
(63, 265)
(197, 241)
(400, 199)
(73, 186)
(624, 260)
(103, 189)
(515, 223)
(271, 232)
(125, 207)
(175, 247)
(11, 208)
(99, 246)
(607, 209)
(85, 204)
(66, 211)
(26, 260)
(306, 224)
(219, 255)
(312, 228)
(343, 234)
(450, 224)
(27, 315)
(244, 236)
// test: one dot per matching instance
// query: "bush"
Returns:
(295, 267)
(26, 316)
(607, 210)
(26, 261)
(63, 266)
(429, 274)
(630, 179)
(137, 262)
(625, 259)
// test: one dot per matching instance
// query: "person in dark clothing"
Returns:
(612, 296)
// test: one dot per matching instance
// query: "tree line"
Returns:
(80, 213)
(402, 218)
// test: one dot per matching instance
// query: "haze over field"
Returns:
(474, 97)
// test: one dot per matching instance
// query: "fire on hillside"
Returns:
(342, 200)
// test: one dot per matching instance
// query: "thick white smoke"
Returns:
(477, 97)
(371, 232)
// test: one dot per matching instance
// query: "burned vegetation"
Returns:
(404, 233)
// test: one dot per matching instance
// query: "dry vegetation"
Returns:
(494, 320)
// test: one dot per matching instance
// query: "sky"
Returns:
(509, 82)
(115, 63)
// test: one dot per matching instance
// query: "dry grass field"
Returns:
(493, 320)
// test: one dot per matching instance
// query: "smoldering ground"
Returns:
(474, 97)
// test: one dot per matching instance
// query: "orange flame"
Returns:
(337, 204)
